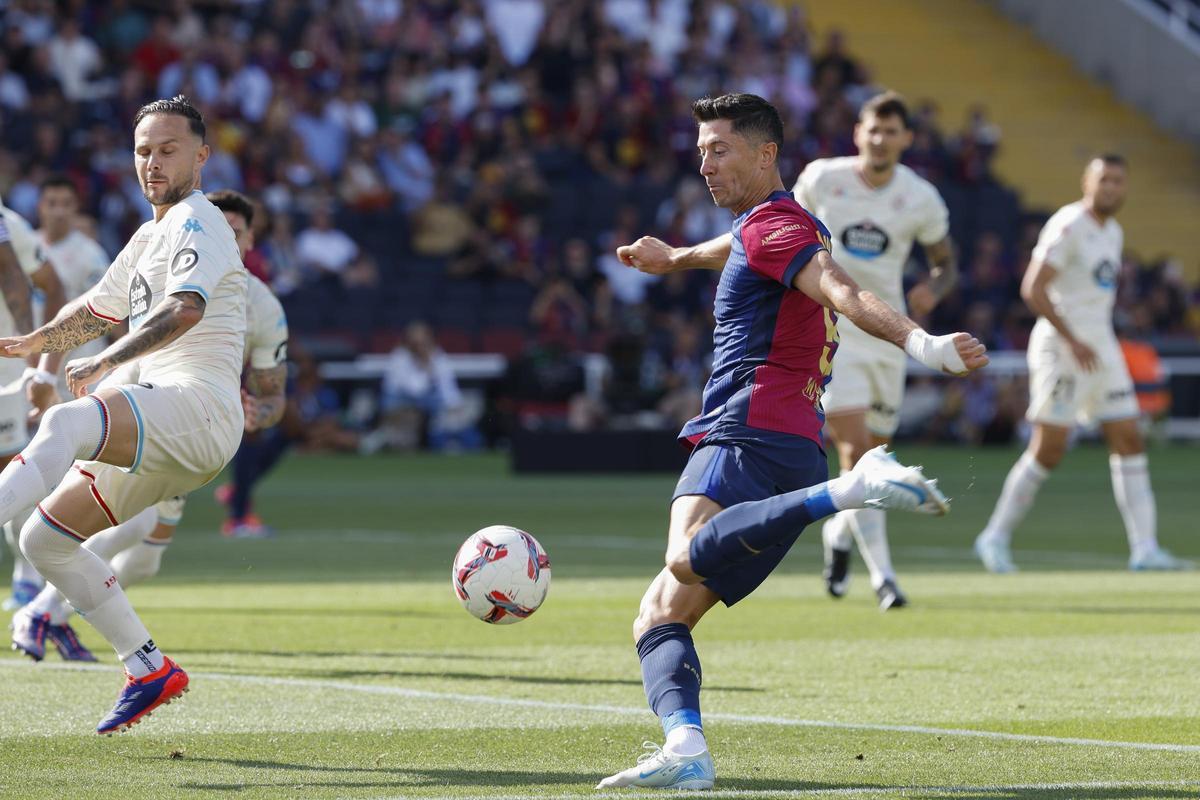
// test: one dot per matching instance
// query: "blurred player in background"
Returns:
(24, 396)
(875, 208)
(1077, 372)
(135, 548)
(181, 285)
(757, 474)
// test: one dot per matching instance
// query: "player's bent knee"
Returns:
(42, 546)
(680, 566)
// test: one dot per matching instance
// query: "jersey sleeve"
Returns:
(780, 241)
(805, 189)
(109, 299)
(268, 341)
(1056, 244)
(195, 262)
(935, 222)
(24, 241)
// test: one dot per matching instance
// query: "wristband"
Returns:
(935, 352)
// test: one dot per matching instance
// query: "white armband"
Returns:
(935, 352)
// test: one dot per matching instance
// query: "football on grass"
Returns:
(501, 574)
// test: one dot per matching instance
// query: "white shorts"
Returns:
(867, 379)
(14, 409)
(185, 439)
(1061, 393)
(170, 511)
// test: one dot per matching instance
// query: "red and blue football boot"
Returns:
(29, 634)
(140, 696)
(69, 647)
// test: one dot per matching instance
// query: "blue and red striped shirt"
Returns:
(774, 345)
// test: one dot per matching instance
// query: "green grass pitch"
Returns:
(334, 661)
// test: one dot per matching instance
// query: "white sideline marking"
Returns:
(892, 791)
(456, 697)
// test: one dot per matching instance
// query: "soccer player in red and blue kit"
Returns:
(757, 472)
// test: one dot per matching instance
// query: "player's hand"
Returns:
(250, 408)
(1085, 355)
(649, 255)
(921, 300)
(82, 373)
(21, 346)
(41, 397)
(972, 352)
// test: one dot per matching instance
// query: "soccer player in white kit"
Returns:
(135, 547)
(1077, 372)
(181, 284)
(875, 208)
(24, 395)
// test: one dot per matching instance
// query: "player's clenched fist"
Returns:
(972, 351)
(648, 254)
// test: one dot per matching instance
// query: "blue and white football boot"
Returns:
(22, 593)
(889, 485)
(140, 696)
(67, 641)
(29, 634)
(662, 769)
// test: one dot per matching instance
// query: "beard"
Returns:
(172, 196)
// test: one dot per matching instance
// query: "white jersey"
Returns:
(1087, 257)
(79, 261)
(20, 234)
(191, 249)
(266, 326)
(873, 229)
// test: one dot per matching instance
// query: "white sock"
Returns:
(870, 529)
(686, 740)
(140, 562)
(49, 601)
(836, 531)
(110, 541)
(75, 430)
(23, 571)
(89, 585)
(1135, 500)
(1020, 488)
(847, 491)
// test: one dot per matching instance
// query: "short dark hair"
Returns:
(234, 203)
(178, 105)
(887, 104)
(749, 113)
(1111, 159)
(59, 181)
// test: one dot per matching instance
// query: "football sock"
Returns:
(90, 586)
(78, 429)
(1016, 498)
(671, 678)
(140, 562)
(49, 601)
(1135, 500)
(111, 541)
(870, 529)
(23, 571)
(742, 531)
(836, 532)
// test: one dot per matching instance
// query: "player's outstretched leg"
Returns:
(26, 582)
(742, 531)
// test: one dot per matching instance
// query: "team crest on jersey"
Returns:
(192, 225)
(865, 240)
(140, 299)
(1105, 274)
(183, 261)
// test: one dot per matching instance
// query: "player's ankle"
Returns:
(847, 491)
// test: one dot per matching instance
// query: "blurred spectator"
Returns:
(418, 388)
(76, 60)
(322, 249)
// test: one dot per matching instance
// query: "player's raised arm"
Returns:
(13, 285)
(1034, 292)
(943, 275)
(827, 283)
(656, 257)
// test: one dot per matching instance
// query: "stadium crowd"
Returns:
(473, 165)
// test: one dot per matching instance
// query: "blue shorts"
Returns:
(729, 471)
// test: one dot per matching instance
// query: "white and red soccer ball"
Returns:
(501, 574)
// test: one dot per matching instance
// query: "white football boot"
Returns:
(890, 485)
(995, 555)
(662, 769)
(1160, 559)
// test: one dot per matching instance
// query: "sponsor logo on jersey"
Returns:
(1105, 274)
(865, 240)
(192, 225)
(140, 299)
(775, 234)
(183, 261)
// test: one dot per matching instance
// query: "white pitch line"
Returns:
(475, 699)
(841, 791)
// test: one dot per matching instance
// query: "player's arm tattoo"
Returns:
(943, 267)
(174, 317)
(17, 293)
(269, 389)
(74, 325)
